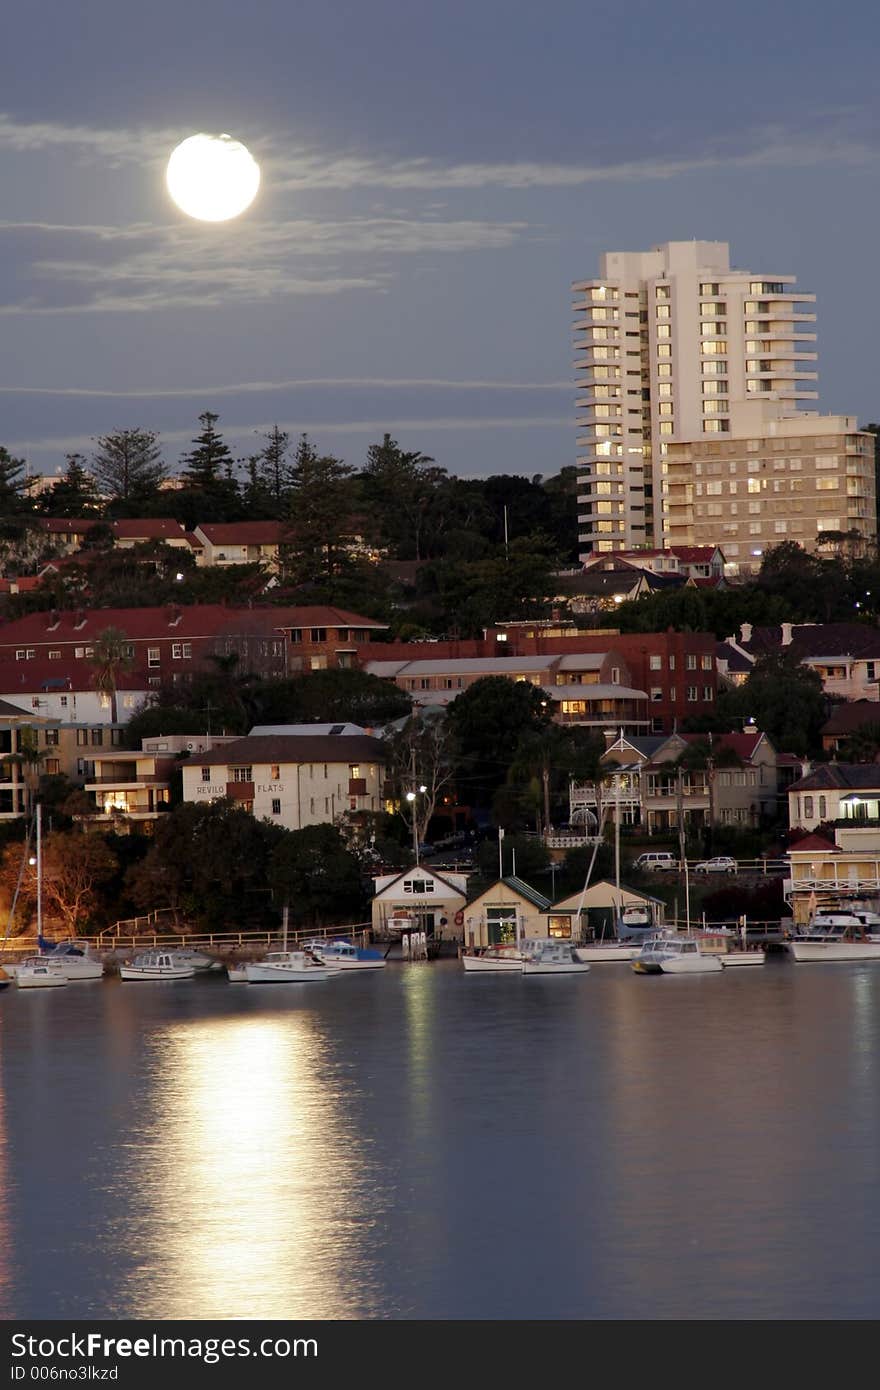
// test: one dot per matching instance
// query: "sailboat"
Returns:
(39, 972)
(632, 922)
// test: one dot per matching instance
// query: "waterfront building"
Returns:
(845, 655)
(666, 341)
(135, 785)
(508, 911)
(826, 872)
(420, 899)
(292, 781)
(595, 910)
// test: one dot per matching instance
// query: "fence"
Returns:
(219, 942)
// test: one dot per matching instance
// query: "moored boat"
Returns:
(40, 972)
(78, 958)
(551, 957)
(593, 951)
(676, 955)
(155, 965)
(344, 955)
(838, 943)
(286, 967)
(502, 959)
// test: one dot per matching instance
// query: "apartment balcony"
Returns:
(124, 779)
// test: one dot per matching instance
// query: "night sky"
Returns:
(434, 177)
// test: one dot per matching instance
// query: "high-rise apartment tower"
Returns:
(666, 342)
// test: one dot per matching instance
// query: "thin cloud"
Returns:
(242, 388)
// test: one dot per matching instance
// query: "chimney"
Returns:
(745, 632)
(174, 615)
(786, 634)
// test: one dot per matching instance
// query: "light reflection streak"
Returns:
(246, 1211)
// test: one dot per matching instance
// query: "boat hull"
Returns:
(33, 978)
(697, 965)
(148, 972)
(552, 967)
(236, 974)
(607, 952)
(261, 974)
(481, 965)
(834, 950)
(743, 958)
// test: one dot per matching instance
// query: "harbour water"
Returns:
(417, 1143)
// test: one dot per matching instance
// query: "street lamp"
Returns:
(411, 798)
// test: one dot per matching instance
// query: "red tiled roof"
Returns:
(150, 528)
(243, 532)
(67, 526)
(298, 748)
(814, 842)
(187, 620)
(194, 541)
(743, 744)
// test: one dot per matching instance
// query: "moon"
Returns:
(212, 177)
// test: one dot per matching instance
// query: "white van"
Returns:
(657, 859)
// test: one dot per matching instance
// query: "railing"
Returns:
(220, 942)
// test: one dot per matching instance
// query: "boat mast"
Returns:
(284, 928)
(39, 871)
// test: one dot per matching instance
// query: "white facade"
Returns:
(666, 340)
(288, 793)
(78, 706)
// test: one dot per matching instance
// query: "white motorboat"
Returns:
(40, 972)
(156, 965)
(198, 961)
(858, 918)
(551, 957)
(78, 958)
(504, 959)
(594, 951)
(676, 955)
(343, 955)
(835, 943)
(286, 967)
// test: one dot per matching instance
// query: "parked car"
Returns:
(721, 864)
(656, 859)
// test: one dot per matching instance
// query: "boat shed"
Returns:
(598, 910)
(419, 899)
(509, 909)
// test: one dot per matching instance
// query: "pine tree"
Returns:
(272, 466)
(319, 512)
(12, 484)
(128, 466)
(400, 487)
(209, 472)
(74, 494)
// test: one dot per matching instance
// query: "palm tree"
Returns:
(111, 659)
(29, 758)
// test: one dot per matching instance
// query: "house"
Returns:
(838, 792)
(737, 786)
(593, 912)
(67, 534)
(429, 901)
(846, 655)
(292, 781)
(131, 532)
(508, 911)
(136, 784)
(681, 561)
(847, 721)
(823, 872)
(321, 637)
(240, 543)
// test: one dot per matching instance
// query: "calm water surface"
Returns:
(415, 1143)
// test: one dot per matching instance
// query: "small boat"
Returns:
(610, 950)
(858, 918)
(156, 965)
(286, 967)
(676, 955)
(504, 958)
(836, 943)
(40, 972)
(78, 958)
(343, 955)
(551, 957)
(198, 961)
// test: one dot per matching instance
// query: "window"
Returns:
(20, 654)
(716, 426)
(242, 774)
(692, 693)
(822, 808)
(663, 311)
(83, 651)
(827, 484)
(663, 292)
(615, 675)
(154, 656)
(82, 738)
(664, 349)
(98, 737)
(780, 527)
(715, 348)
(53, 766)
(871, 670)
(690, 663)
(54, 656)
(709, 287)
(664, 330)
(63, 702)
(656, 692)
(656, 663)
(707, 692)
(808, 807)
(206, 774)
(51, 738)
(706, 662)
(276, 806)
(275, 772)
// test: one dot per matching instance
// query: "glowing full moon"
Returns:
(212, 177)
